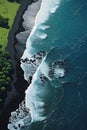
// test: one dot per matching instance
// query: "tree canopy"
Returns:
(4, 22)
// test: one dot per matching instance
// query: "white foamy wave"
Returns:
(19, 118)
(44, 27)
(34, 101)
(41, 92)
(42, 36)
(28, 69)
(47, 7)
(44, 11)
(54, 9)
(59, 72)
(45, 69)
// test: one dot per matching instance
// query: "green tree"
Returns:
(8, 79)
(2, 89)
(1, 100)
(4, 22)
(0, 46)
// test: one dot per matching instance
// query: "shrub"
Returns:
(0, 46)
(5, 73)
(8, 79)
(18, 1)
(4, 22)
(1, 100)
(2, 89)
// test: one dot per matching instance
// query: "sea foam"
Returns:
(38, 33)
(41, 92)
(47, 7)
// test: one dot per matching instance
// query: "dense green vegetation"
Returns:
(8, 12)
(19, 1)
(4, 22)
(5, 74)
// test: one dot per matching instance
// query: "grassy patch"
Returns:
(7, 10)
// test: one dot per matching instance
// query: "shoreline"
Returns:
(15, 95)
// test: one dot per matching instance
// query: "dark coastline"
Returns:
(18, 83)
